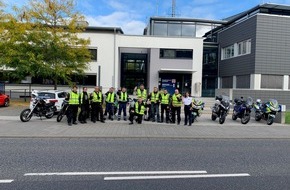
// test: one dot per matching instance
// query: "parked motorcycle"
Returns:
(62, 111)
(39, 109)
(196, 108)
(242, 109)
(221, 108)
(266, 111)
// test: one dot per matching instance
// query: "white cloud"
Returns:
(118, 19)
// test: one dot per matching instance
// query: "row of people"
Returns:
(91, 104)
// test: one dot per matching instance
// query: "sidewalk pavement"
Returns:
(12, 127)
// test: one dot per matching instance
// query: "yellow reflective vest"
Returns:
(175, 102)
(97, 97)
(142, 109)
(73, 98)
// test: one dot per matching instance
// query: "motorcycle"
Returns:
(62, 111)
(196, 107)
(221, 108)
(39, 108)
(266, 111)
(242, 110)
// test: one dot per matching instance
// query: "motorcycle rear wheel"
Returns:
(49, 115)
(24, 115)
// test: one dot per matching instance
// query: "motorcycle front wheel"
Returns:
(222, 119)
(270, 121)
(213, 117)
(258, 117)
(24, 115)
(49, 115)
(60, 116)
(245, 119)
(234, 117)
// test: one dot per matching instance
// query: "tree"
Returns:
(43, 40)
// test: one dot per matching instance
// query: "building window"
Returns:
(237, 49)
(244, 47)
(94, 53)
(176, 54)
(227, 82)
(228, 52)
(272, 81)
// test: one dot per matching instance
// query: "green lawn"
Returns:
(287, 117)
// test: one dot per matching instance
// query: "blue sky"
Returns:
(133, 15)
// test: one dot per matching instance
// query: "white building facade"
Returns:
(164, 62)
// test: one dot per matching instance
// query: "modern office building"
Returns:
(254, 57)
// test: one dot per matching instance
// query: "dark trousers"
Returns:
(110, 109)
(154, 112)
(97, 110)
(187, 114)
(72, 112)
(139, 117)
(164, 107)
(83, 115)
(122, 107)
(176, 110)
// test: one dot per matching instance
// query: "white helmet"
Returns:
(259, 101)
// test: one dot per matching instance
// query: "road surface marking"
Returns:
(115, 173)
(6, 180)
(175, 176)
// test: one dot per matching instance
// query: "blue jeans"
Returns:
(155, 111)
(122, 107)
(110, 109)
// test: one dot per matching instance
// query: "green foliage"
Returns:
(287, 117)
(43, 40)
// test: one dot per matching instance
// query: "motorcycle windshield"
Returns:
(249, 101)
(226, 101)
(274, 103)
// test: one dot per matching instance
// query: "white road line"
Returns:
(6, 181)
(175, 176)
(115, 173)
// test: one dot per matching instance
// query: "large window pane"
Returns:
(160, 29)
(188, 30)
(174, 29)
(202, 29)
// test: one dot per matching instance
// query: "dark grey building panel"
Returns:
(272, 81)
(227, 82)
(273, 45)
(243, 81)
(244, 64)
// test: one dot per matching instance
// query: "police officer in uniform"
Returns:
(141, 92)
(73, 101)
(97, 102)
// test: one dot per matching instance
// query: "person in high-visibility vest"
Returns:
(176, 104)
(138, 111)
(154, 98)
(141, 92)
(165, 102)
(110, 103)
(97, 99)
(73, 101)
(85, 106)
(122, 101)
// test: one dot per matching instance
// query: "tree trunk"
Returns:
(55, 83)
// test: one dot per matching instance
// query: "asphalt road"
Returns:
(266, 162)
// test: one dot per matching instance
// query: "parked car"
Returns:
(56, 96)
(4, 100)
